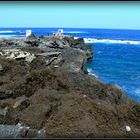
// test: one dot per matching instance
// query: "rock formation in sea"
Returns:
(45, 91)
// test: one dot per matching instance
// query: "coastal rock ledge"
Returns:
(46, 92)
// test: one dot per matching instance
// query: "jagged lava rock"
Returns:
(64, 101)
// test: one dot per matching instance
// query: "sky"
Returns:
(63, 14)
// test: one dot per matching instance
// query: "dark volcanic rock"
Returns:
(19, 131)
(1, 68)
(21, 103)
(54, 95)
(5, 94)
(3, 112)
(35, 114)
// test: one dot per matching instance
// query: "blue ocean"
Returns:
(116, 54)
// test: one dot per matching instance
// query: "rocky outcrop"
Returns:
(53, 96)
(21, 103)
(50, 42)
(1, 68)
(20, 131)
(17, 54)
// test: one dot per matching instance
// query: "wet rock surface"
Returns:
(53, 96)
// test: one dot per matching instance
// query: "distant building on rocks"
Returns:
(28, 33)
(60, 33)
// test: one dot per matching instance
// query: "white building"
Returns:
(28, 33)
(59, 32)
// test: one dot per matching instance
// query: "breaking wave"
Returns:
(7, 31)
(91, 72)
(94, 40)
(75, 32)
(8, 36)
(137, 91)
(4, 32)
(137, 94)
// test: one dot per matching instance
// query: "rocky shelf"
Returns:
(46, 92)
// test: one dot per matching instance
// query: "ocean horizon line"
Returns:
(73, 28)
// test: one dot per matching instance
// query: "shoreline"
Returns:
(46, 87)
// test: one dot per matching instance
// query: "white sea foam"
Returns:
(12, 35)
(137, 91)
(7, 36)
(94, 40)
(7, 31)
(76, 37)
(91, 72)
(75, 32)
(135, 77)
(99, 52)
